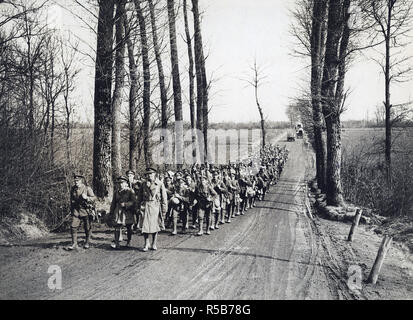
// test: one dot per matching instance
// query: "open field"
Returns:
(355, 138)
(364, 171)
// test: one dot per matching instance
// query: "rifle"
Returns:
(90, 206)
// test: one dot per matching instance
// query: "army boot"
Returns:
(201, 227)
(146, 247)
(229, 216)
(129, 233)
(175, 225)
(116, 245)
(212, 220)
(87, 242)
(208, 226)
(74, 245)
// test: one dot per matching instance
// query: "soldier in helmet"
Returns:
(152, 197)
(80, 197)
(122, 211)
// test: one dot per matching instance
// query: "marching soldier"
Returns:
(170, 189)
(179, 203)
(220, 200)
(192, 208)
(134, 185)
(233, 188)
(261, 185)
(204, 194)
(122, 211)
(81, 197)
(245, 185)
(152, 196)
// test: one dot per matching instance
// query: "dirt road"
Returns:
(269, 253)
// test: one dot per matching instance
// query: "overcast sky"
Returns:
(236, 31)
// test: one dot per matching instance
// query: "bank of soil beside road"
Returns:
(396, 276)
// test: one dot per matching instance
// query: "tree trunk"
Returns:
(176, 85)
(162, 87)
(205, 110)
(317, 45)
(133, 102)
(191, 79)
(102, 170)
(387, 88)
(331, 107)
(117, 94)
(146, 84)
(334, 190)
(259, 107)
(202, 86)
(52, 132)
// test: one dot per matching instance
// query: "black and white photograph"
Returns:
(206, 154)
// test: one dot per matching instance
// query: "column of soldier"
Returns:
(203, 198)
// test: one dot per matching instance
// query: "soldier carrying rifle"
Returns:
(204, 195)
(81, 208)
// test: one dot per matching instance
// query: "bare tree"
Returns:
(146, 82)
(117, 94)
(256, 81)
(392, 20)
(18, 11)
(191, 77)
(52, 84)
(317, 36)
(202, 83)
(332, 94)
(34, 40)
(102, 168)
(70, 72)
(133, 98)
(176, 83)
(157, 49)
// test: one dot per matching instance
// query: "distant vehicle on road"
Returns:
(290, 136)
(299, 131)
(298, 126)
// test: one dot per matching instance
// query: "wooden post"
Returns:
(375, 270)
(355, 224)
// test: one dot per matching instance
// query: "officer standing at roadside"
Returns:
(81, 197)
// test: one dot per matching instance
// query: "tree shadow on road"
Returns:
(281, 202)
(235, 253)
(275, 208)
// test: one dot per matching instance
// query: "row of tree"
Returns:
(331, 33)
(37, 74)
(127, 23)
